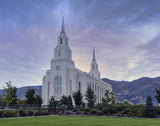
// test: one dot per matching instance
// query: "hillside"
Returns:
(135, 91)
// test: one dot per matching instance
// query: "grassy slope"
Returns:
(78, 121)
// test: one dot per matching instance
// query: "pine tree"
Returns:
(90, 97)
(69, 103)
(77, 96)
(149, 110)
(10, 96)
(158, 95)
(29, 94)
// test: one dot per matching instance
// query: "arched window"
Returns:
(79, 85)
(60, 40)
(92, 66)
(58, 87)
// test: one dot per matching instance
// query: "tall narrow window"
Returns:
(70, 87)
(60, 40)
(92, 66)
(58, 87)
(48, 91)
(59, 53)
(79, 85)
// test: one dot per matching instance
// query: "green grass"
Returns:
(78, 121)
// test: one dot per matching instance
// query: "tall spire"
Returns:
(63, 29)
(94, 55)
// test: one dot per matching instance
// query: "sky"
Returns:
(124, 33)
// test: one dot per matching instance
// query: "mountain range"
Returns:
(134, 91)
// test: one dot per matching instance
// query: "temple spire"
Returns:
(94, 55)
(63, 29)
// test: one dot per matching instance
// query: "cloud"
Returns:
(124, 33)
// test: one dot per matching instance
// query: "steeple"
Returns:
(63, 29)
(94, 67)
(93, 54)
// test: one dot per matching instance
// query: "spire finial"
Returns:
(93, 54)
(63, 29)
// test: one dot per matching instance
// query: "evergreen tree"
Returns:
(158, 95)
(69, 103)
(10, 95)
(149, 110)
(2, 100)
(112, 98)
(63, 100)
(107, 99)
(29, 94)
(77, 96)
(38, 100)
(90, 97)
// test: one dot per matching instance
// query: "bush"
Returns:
(86, 109)
(93, 112)
(100, 113)
(78, 113)
(36, 114)
(82, 109)
(130, 114)
(75, 110)
(105, 111)
(68, 113)
(85, 113)
(8, 113)
(44, 113)
(22, 113)
(1, 114)
(29, 113)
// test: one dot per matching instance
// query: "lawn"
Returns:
(78, 121)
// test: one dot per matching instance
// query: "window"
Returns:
(79, 85)
(70, 87)
(48, 89)
(57, 87)
(59, 53)
(60, 40)
(57, 67)
(92, 66)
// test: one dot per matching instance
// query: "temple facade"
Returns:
(63, 78)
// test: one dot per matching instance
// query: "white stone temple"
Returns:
(63, 78)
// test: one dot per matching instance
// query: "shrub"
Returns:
(86, 109)
(68, 113)
(82, 109)
(36, 114)
(100, 113)
(130, 114)
(44, 113)
(93, 112)
(8, 113)
(29, 113)
(75, 110)
(22, 113)
(78, 113)
(1, 114)
(105, 111)
(120, 114)
(86, 113)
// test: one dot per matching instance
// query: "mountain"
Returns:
(134, 91)
(21, 91)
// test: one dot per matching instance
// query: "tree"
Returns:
(107, 100)
(21, 102)
(90, 97)
(38, 100)
(112, 98)
(29, 94)
(2, 100)
(63, 100)
(10, 95)
(77, 96)
(158, 95)
(149, 110)
(69, 103)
